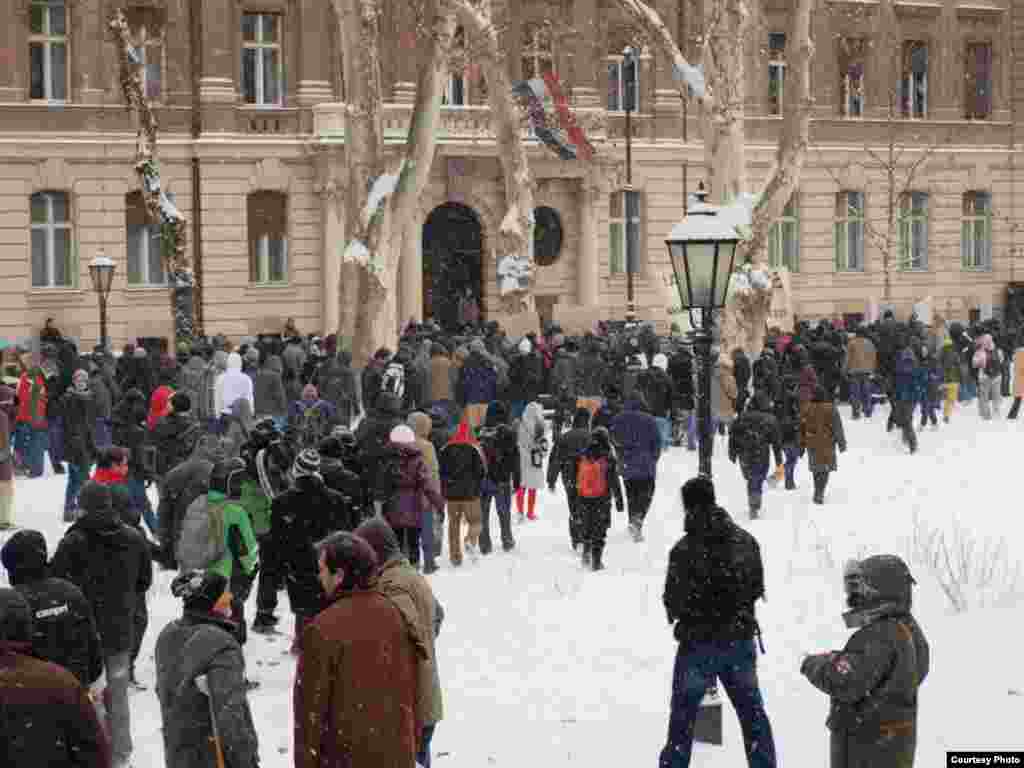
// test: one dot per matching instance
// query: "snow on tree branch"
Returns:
(159, 209)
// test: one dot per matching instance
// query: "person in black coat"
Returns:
(339, 478)
(79, 417)
(174, 436)
(110, 562)
(562, 463)
(752, 437)
(129, 432)
(741, 371)
(299, 518)
(715, 575)
(181, 486)
(596, 510)
(500, 444)
(129, 515)
(371, 378)
(63, 628)
(373, 443)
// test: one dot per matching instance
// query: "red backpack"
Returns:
(592, 477)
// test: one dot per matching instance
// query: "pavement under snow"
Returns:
(545, 664)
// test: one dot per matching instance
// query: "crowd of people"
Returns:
(277, 466)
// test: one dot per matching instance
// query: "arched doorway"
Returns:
(452, 265)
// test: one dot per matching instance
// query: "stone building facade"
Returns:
(249, 96)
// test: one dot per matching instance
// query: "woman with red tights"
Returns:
(533, 447)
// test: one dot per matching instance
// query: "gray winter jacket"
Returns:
(195, 645)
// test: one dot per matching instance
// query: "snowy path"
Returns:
(545, 664)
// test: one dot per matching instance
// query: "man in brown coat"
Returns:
(411, 593)
(356, 686)
(861, 363)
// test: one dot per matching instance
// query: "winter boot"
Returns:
(819, 488)
(755, 506)
(585, 558)
(790, 484)
(595, 562)
(634, 531)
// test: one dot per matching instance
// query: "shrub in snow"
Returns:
(972, 572)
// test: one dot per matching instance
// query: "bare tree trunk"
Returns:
(159, 209)
(516, 230)
(724, 60)
(383, 190)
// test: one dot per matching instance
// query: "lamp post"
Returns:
(701, 248)
(629, 202)
(101, 272)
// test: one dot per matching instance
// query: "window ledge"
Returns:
(143, 292)
(914, 270)
(977, 270)
(56, 296)
(277, 290)
(850, 272)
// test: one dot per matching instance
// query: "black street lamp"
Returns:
(701, 248)
(101, 271)
(629, 78)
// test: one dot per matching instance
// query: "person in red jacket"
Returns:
(31, 426)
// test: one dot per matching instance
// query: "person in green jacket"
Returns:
(241, 551)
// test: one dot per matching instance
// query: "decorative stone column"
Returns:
(217, 93)
(410, 272)
(585, 56)
(314, 56)
(333, 217)
(592, 194)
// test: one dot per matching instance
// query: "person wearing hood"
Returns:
(715, 576)
(110, 562)
(335, 452)
(463, 469)
(103, 404)
(525, 377)
(300, 517)
(79, 439)
(987, 365)
(596, 470)
(373, 444)
(336, 382)
(905, 394)
(63, 631)
(755, 434)
(371, 378)
(821, 432)
(49, 719)
(210, 402)
(269, 397)
(175, 435)
(478, 383)
(234, 384)
(636, 434)
(533, 447)
(414, 491)
(159, 405)
(190, 380)
(412, 595)
(562, 463)
(430, 525)
(344, 697)
(873, 682)
(201, 675)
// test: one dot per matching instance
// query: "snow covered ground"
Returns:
(545, 664)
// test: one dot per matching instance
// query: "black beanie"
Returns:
(24, 552)
(199, 590)
(181, 402)
(15, 617)
(94, 497)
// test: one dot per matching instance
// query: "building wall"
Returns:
(85, 147)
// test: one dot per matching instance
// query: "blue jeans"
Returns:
(31, 443)
(54, 437)
(427, 540)
(102, 437)
(77, 477)
(860, 394)
(423, 753)
(791, 452)
(665, 430)
(696, 667)
(502, 495)
(755, 475)
(140, 501)
(691, 431)
(968, 389)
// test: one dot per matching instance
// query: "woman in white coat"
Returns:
(533, 446)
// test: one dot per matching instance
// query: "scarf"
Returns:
(862, 617)
(463, 435)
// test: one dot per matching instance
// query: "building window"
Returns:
(978, 79)
(268, 237)
(851, 76)
(538, 55)
(52, 250)
(784, 239)
(456, 90)
(48, 50)
(547, 236)
(262, 64)
(150, 47)
(914, 80)
(145, 250)
(849, 231)
(623, 82)
(976, 231)
(776, 71)
(913, 231)
(624, 231)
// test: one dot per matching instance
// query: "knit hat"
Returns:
(15, 617)
(660, 361)
(94, 497)
(253, 355)
(525, 346)
(199, 590)
(25, 552)
(309, 392)
(307, 464)
(181, 402)
(402, 435)
(477, 345)
(140, 353)
(381, 536)
(80, 379)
